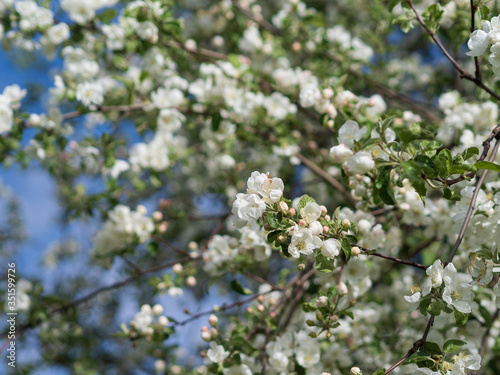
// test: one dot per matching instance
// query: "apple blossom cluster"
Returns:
(352, 162)
(10, 101)
(457, 292)
(123, 228)
(222, 250)
(148, 323)
(481, 40)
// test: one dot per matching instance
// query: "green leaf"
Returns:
(241, 343)
(152, 248)
(236, 286)
(426, 165)
(486, 316)
(470, 152)
(303, 201)
(460, 317)
(380, 371)
(346, 247)
(383, 187)
(435, 308)
(272, 220)
(284, 250)
(432, 348)
(451, 195)
(487, 165)
(324, 264)
(424, 304)
(332, 293)
(216, 120)
(107, 15)
(451, 345)
(417, 357)
(309, 307)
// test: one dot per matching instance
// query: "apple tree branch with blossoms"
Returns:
(326, 173)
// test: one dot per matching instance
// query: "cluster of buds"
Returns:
(210, 334)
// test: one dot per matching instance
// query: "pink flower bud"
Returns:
(213, 320)
(283, 207)
(325, 229)
(342, 289)
(206, 336)
(355, 251)
(302, 223)
(292, 211)
(328, 217)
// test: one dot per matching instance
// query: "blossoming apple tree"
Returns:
(327, 171)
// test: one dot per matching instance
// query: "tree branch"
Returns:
(472, 205)
(463, 74)
(337, 185)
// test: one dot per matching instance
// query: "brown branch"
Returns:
(463, 74)
(472, 205)
(416, 345)
(392, 259)
(337, 185)
(484, 340)
(63, 309)
(473, 9)
(495, 134)
(257, 18)
(223, 308)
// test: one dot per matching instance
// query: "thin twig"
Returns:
(463, 74)
(473, 9)
(416, 345)
(392, 259)
(472, 206)
(484, 340)
(95, 293)
(337, 185)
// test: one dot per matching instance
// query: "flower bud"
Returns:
(162, 228)
(355, 251)
(342, 289)
(206, 336)
(323, 210)
(141, 209)
(326, 229)
(191, 281)
(310, 323)
(292, 211)
(355, 371)
(327, 93)
(282, 238)
(322, 301)
(213, 320)
(177, 268)
(346, 223)
(157, 309)
(261, 308)
(302, 223)
(352, 302)
(331, 111)
(283, 207)
(214, 333)
(157, 216)
(328, 217)
(163, 320)
(301, 267)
